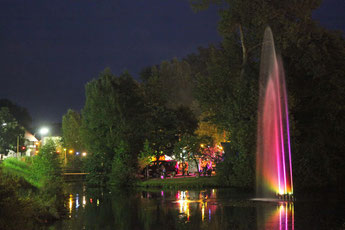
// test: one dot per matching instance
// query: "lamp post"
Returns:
(17, 146)
(65, 156)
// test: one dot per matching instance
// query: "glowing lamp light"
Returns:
(71, 151)
(83, 154)
(44, 131)
(77, 153)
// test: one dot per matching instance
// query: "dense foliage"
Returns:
(21, 114)
(312, 58)
(11, 133)
(71, 125)
(32, 187)
(216, 92)
(110, 118)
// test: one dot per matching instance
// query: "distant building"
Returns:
(31, 143)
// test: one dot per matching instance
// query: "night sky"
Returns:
(49, 49)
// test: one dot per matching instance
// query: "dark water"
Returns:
(195, 209)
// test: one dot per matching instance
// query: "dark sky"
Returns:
(49, 49)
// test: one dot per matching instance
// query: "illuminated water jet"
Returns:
(273, 157)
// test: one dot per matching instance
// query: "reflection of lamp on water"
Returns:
(77, 201)
(70, 204)
(184, 203)
(84, 201)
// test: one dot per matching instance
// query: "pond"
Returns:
(195, 209)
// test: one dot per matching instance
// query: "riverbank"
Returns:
(182, 182)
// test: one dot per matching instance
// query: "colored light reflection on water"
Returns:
(70, 205)
(74, 202)
(194, 204)
(197, 205)
(279, 217)
(77, 201)
(84, 201)
(183, 203)
(195, 209)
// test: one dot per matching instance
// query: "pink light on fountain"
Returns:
(273, 158)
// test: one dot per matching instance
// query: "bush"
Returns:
(35, 186)
(123, 172)
(46, 166)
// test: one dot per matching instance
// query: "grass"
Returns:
(20, 169)
(186, 182)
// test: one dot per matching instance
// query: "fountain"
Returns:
(273, 157)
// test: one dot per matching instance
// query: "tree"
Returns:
(312, 58)
(161, 129)
(190, 148)
(71, 123)
(10, 132)
(46, 166)
(168, 101)
(145, 156)
(122, 174)
(208, 128)
(111, 117)
(46, 171)
(21, 114)
(229, 101)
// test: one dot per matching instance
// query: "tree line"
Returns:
(212, 95)
(218, 86)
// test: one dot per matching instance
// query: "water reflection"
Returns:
(70, 202)
(182, 209)
(280, 216)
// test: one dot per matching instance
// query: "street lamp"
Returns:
(43, 131)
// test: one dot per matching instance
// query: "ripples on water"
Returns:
(193, 209)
